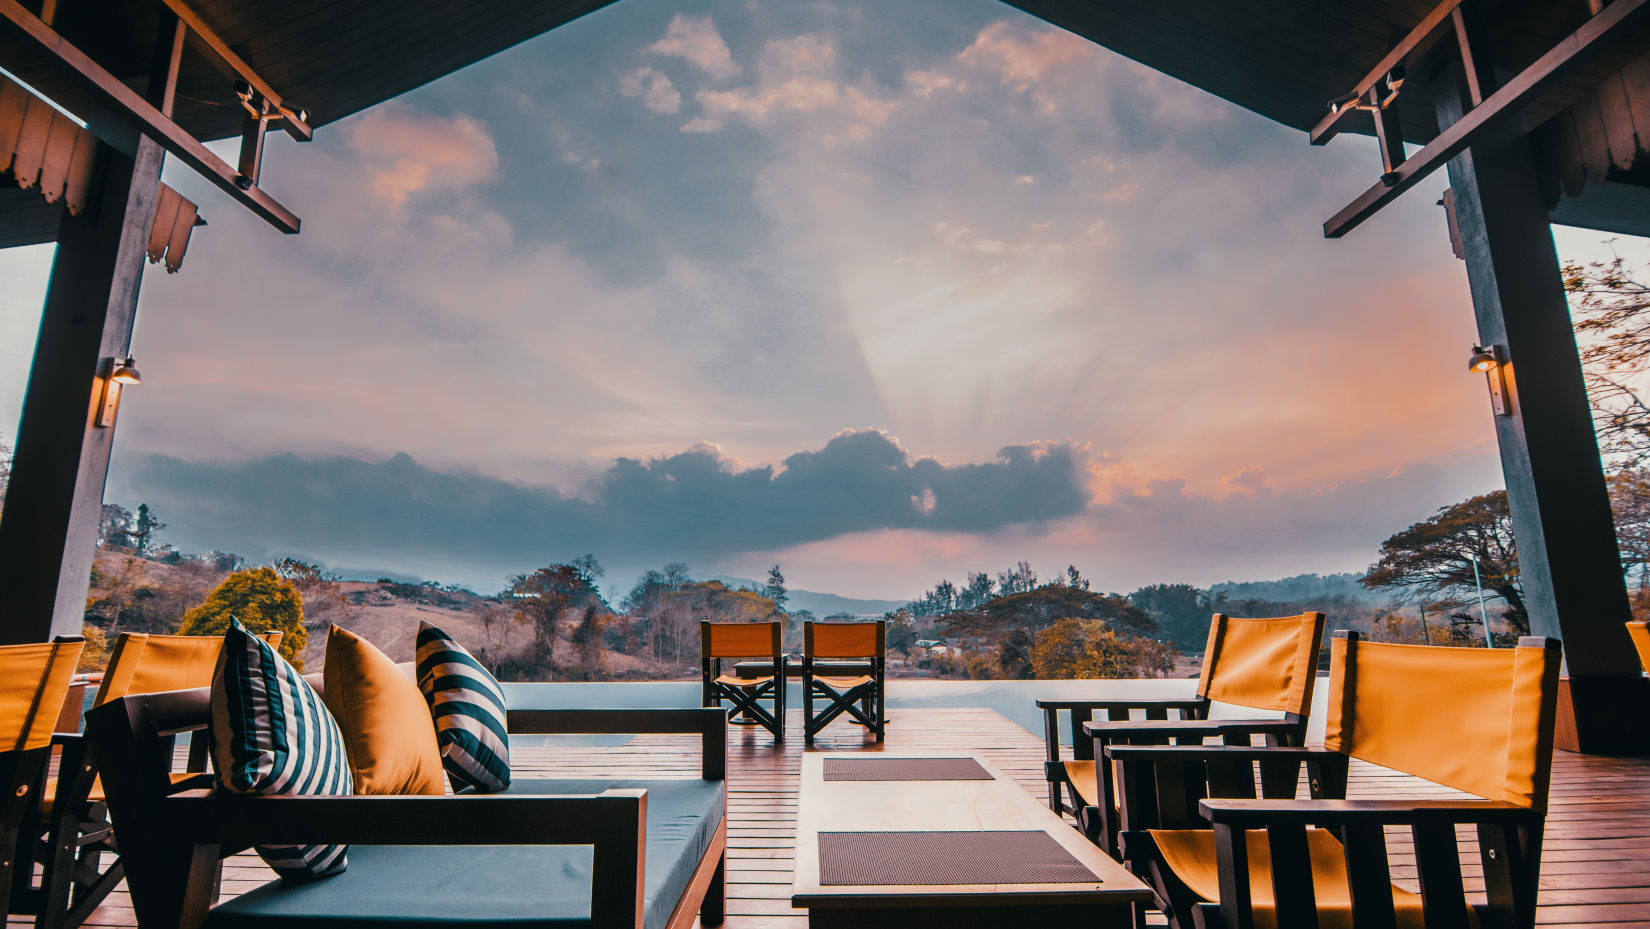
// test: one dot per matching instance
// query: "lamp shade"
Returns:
(1483, 359)
(126, 372)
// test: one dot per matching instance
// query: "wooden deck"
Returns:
(1595, 870)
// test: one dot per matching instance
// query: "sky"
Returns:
(879, 294)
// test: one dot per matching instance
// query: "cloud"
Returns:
(694, 39)
(696, 504)
(405, 152)
(1024, 59)
(653, 87)
(796, 78)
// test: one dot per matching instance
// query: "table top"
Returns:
(995, 804)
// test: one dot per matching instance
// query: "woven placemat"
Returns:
(905, 769)
(944, 858)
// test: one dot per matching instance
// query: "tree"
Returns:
(114, 527)
(1434, 559)
(775, 589)
(1630, 504)
(1613, 330)
(1077, 649)
(262, 600)
(144, 527)
(1075, 578)
(1040, 608)
(1181, 610)
(547, 599)
(5, 473)
(324, 600)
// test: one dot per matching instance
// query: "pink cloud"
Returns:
(405, 153)
(1023, 57)
(654, 88)
(694, 39)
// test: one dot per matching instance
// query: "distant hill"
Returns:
(1301, 587)
(821, 604)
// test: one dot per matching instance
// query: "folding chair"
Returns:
(1640, 631)
(77, 829)
(1473, 719)
(34, 679)
(745, 640)
(1261, 664)
(861, 696)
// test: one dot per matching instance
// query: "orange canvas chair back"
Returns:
(1263, 664)
(34, 679)
(1641, 640)
(740, 640)
(1476, 719)
(146, 664)
(845, 640)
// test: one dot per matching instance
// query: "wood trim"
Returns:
(204, 35)
(714, 860)
(131, 107)
(1494, 118)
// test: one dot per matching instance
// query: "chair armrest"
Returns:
(206, 818)
(1191, 753)
(711, 724)
(68, 738)
(1101, 728)
(1186, 703)
(1255, 814)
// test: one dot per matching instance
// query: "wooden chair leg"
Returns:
(713, 910)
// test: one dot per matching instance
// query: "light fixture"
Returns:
(1482, 359)
(126, 372)
(1487, 359)
(116, 374)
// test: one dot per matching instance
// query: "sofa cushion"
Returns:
(468, 708)
(271, 734)
(386, 725)
(453, 885)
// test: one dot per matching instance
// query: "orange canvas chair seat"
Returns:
(1640, 633)
(1192, 856)
(1266, 664)
(860, 697)
(745, 640)
(34, 680)
(1477, 720)
(75, 881)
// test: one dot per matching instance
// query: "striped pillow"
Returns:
(271, 734)
(468, 707)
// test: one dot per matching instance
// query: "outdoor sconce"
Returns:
(1487, 359)
(119, 374)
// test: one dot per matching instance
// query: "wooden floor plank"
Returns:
(1596, 861)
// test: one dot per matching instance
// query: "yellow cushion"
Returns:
(1190, 854)
(733, 681)
(386, 724)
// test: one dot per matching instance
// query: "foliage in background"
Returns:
(94, 656)
(1613, 332)
(262, 600)
(1432, 561)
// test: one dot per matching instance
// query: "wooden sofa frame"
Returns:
(174, 841)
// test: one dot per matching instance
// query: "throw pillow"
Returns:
(271, 734)
(387, 730)
(468, 707)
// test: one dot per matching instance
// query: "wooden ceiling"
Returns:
(1284, 59)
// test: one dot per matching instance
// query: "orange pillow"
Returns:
(387, 729)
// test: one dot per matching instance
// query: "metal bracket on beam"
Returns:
(1495, 118)
(130, 106)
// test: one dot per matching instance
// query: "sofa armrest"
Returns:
(214, 818)
(711, 724)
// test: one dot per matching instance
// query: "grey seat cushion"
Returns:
(470, 885)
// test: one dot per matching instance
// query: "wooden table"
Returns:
(964, 806)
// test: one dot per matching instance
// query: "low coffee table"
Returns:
(908, 841)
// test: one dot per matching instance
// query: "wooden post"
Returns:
(1568, 560)
(54, 502)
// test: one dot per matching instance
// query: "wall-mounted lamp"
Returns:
(1487, 359)
(117, 374)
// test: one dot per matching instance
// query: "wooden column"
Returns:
(1567, 553)
(55, 499)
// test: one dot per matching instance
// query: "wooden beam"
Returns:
(1335, 121)
(130, 106)
(294, 126)
(1487, 122)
